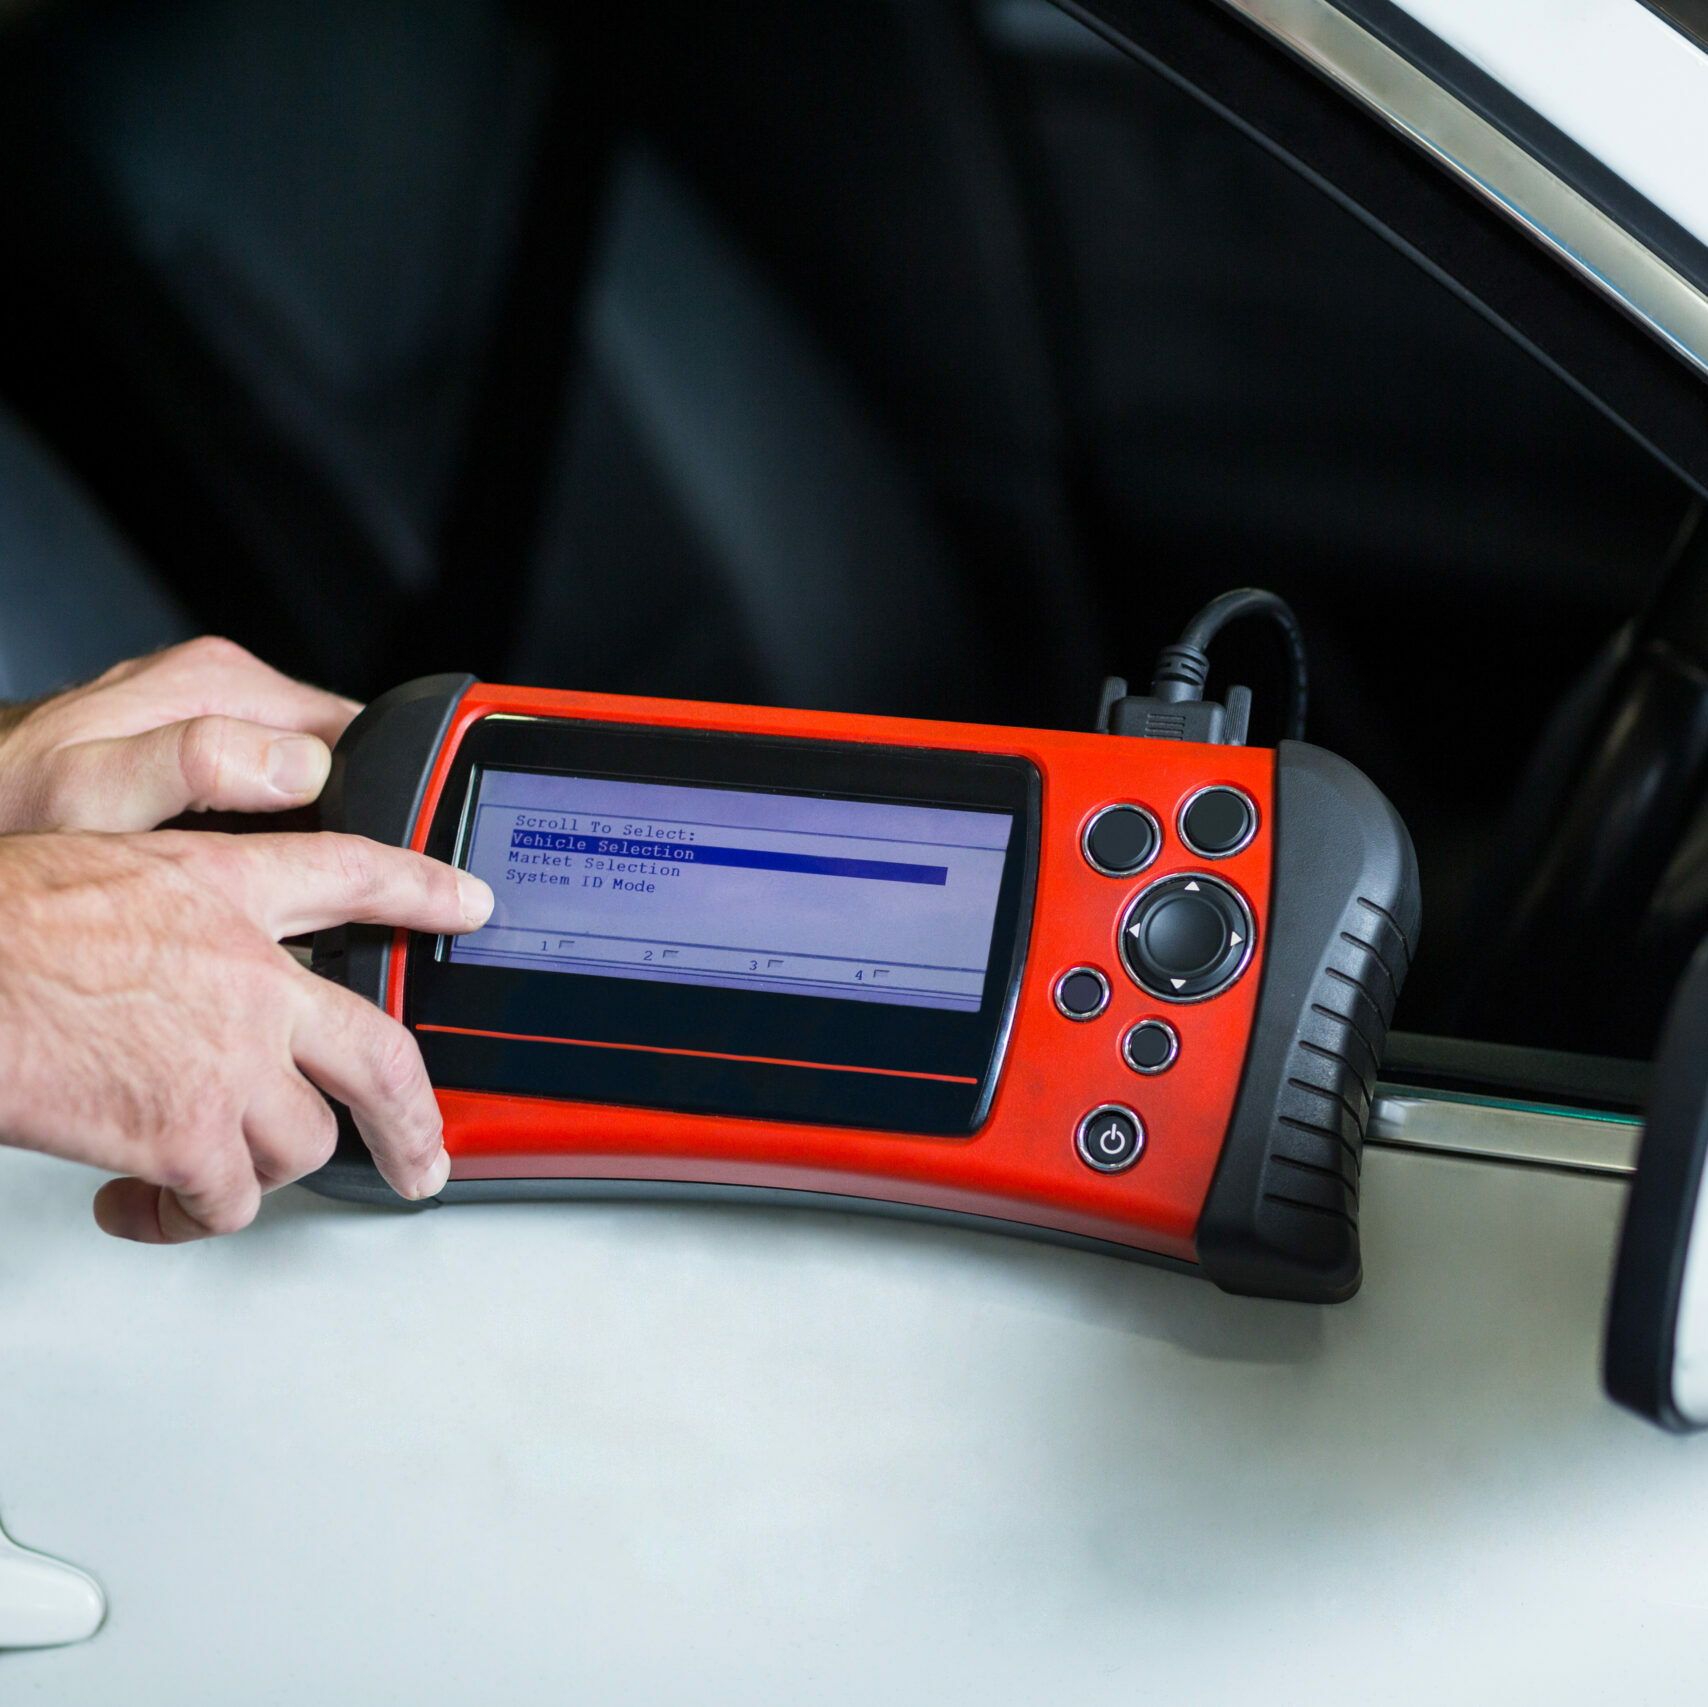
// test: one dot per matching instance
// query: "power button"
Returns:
(1110, 1139)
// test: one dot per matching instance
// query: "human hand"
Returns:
(202, 726)
(151, 1024)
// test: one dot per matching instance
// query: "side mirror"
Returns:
(1656, 1359)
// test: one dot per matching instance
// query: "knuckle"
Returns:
(185, 1169)
(212, 651)
(324, 1147)
(204, 755)
(176, 1173)
(216, 1186)
(359, 868)
(227, 1213)
(61, 791)
(440, 882)
(219, 863)
(320, 1135)
(289, 1129)
(120, 671)
(199, 1150)
(397, 1071)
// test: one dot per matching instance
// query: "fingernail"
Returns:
(476, 899)
(432, 1182)
(297, 766)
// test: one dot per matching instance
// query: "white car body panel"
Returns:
(1615, 77)
(613, 1453)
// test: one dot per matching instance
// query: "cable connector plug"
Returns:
(1160, 717)
(1175, 709)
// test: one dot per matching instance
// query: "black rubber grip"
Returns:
(1281, 1217)
(379, 775)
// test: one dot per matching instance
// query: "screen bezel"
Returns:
(805, 1058)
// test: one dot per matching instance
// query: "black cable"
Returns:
(1182, 669)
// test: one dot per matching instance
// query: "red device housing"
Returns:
(1021, 1166)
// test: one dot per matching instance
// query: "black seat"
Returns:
(725, 518)
(73, 597)
(360, 398)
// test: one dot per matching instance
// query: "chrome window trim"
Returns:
(1559, 217)
(1688, 17)
(1488, 1129)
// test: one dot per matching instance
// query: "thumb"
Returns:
(220, 764)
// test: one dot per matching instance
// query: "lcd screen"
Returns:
(860, 900)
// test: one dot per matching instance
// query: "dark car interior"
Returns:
(928, 357)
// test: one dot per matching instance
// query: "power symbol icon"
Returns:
(1110, 1139)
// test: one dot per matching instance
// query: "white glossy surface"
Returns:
(625, 1455)
(45, 1603)
(1690, 1337)
(1617, 79)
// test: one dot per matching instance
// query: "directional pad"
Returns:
(1186, 938)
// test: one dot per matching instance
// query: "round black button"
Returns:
(1186, 938)
(1082, 993)
(1150, 1047)
(1121, 840)
(1110, 1138)
(1218, 822)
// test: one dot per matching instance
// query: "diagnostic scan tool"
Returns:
(1126, 989)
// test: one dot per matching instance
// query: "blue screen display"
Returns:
(802, 895)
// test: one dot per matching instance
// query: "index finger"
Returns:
(210, 677)
(292, 884)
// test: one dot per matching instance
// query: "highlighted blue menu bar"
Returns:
(756, 859)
